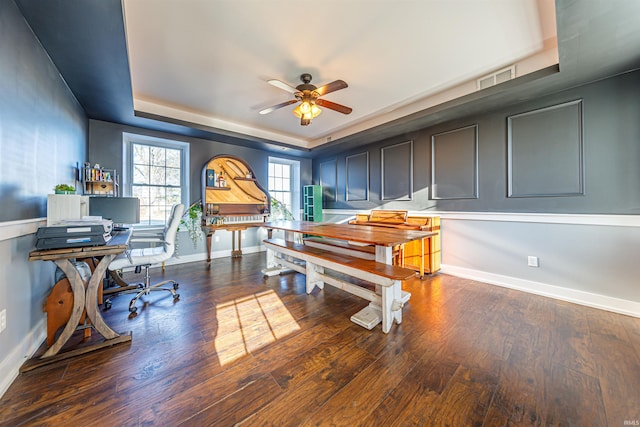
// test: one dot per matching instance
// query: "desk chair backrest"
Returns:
(171, 228)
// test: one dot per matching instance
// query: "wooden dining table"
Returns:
(384, 239)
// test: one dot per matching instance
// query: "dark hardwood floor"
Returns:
(238, 348)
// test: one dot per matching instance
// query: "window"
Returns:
(284, 183)
(156, 172)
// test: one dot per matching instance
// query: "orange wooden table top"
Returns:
(370, 235)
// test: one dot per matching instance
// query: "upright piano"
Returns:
(234, 202)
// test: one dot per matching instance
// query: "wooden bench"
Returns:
(387, 278)
(347, 248)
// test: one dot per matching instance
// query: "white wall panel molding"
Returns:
(539, 218)
(14, 229)
(603, 302)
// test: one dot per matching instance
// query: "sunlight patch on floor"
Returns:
(250, 323)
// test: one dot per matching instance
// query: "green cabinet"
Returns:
(312, 199)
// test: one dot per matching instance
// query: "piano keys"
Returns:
(234, 202)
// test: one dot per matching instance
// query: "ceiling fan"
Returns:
(309, 97)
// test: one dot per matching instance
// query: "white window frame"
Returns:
(129, 139)
(294, 182)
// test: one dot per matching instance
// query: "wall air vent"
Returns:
(497, 77)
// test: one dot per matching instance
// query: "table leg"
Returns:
(273, 267)
(77, 287)
(92, 298)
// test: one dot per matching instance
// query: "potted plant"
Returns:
(279, 211)
(192, 222)
(64, 189)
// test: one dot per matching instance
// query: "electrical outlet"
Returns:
(3, 320)
(532, 261)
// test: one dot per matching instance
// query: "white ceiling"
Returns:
(207, 62)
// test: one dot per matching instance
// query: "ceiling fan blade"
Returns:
(333, 106)
(331, 87)
(275, 107)
(283, 86)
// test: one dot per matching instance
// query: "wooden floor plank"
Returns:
(412, 402)
(575, 399)
(618, 381)
(241, 348)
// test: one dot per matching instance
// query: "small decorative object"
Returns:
(211, 178)
(64, 189)
(249, 175)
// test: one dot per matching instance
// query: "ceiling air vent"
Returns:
(499, 76)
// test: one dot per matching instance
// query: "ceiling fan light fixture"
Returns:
(308, 95)
(306, 111)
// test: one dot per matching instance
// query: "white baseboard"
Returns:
(10, 366)
(603, 302)
(201, 256)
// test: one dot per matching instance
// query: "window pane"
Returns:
(286, 170)
(144, 214)
(271, 169)
(157, 175)
(141, 193)
(140, 174)
(272, 183)
(173, 176)
(173, 158)
(140, 154)
(157, 213)
(173, 195)
(158, 156)
(277, 171)
(286, 185)
(158, 195)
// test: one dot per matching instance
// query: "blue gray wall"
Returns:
(43, 129)
(43, 133)
(547, 153)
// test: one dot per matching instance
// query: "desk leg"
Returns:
(77, 287)
(92, 297)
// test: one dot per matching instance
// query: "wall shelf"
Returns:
(99, 182)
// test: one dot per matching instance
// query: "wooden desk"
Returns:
(82, 299)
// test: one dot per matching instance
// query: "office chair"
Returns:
(146, 257)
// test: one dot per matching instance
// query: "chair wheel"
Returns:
(176, 286)
(133, 309)
(107, 305)
(176, 296)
